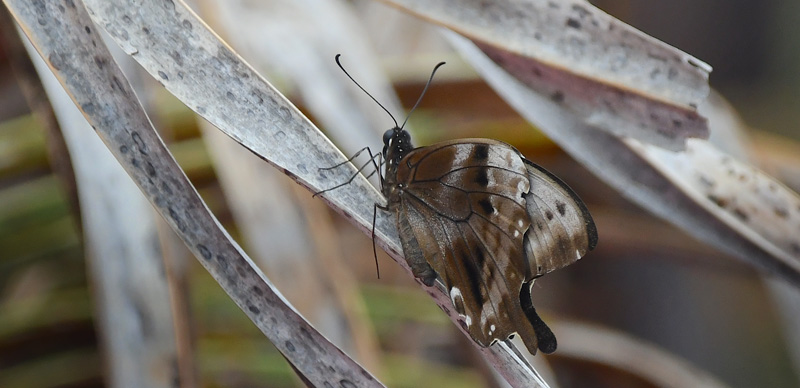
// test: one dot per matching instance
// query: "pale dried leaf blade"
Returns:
(175, 47)
(612, 76)
(178, 50)
(748, 200)
(129, 284)
(64, 36)
(657, 184)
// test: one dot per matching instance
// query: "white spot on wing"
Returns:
(516, 233)
(520, 223)
(577, 254)
(455, 293)
(462, 154)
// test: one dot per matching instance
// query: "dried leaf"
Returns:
(610, 75)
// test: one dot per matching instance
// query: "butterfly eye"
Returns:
(387, 136)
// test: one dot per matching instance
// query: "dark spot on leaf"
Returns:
(165, 187)
(137, 139)
(717, 200)
(672, 73)
(705, 181)
(573, 23)
(344, 383)
(286, 115)
(88, 108)
(177, 57)
(151, 171)
(204, 251)
(223, 262)
(177, 219)
(582, 12)
(117, 84)
(739, 213)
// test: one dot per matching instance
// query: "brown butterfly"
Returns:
(486, 221)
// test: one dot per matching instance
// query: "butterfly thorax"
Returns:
(396, 145)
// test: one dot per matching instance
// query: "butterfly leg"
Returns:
(347, 182)
(375, 250)
(348, 160)
(545, 338)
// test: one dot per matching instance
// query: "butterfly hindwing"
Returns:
(463, 201)
(478, 279)
(562, 230)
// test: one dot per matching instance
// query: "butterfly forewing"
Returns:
(562, 230)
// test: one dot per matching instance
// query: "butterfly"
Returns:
(478, 215)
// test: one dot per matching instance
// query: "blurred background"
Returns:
(646, 278)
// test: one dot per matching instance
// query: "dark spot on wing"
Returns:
(482, 177)
(562, 208)
(480, 258)
(549, 215)
(481, 152)
(486, 206)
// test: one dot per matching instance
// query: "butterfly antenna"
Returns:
(362, 89)
(422, 94)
